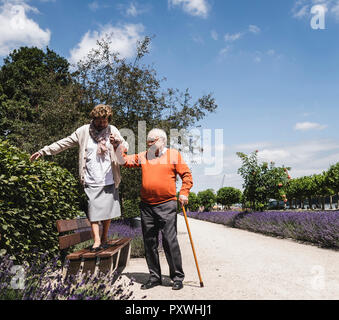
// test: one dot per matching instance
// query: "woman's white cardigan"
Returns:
(80, 138)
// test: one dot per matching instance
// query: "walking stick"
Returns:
(195, 257)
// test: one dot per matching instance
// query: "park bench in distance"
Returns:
(114, 258)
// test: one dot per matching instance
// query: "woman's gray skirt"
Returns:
(103, 203)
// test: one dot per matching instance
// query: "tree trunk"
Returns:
(310, 203)
(331, 202)
(323, 203)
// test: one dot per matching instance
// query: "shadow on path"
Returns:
(142, 277)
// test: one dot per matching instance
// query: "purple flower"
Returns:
(319, 227)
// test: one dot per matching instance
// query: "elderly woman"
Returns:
(160, 166)
(99, 170)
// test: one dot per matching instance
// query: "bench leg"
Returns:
(74, 267)
(117, 259)
(90, 265)
(108, 265)
(124, 256)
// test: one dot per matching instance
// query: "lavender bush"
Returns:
(319, 227)
(44, 281)
(120, 229)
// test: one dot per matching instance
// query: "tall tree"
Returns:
(262, 181)
(207, 199)
(228, 195)
(39, 101)
(332, 179)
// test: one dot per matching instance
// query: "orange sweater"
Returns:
(159, 175)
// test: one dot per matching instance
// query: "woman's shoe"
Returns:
(105, 245)
(96, 249)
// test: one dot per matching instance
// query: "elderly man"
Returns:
(99, 170)
(158, 207)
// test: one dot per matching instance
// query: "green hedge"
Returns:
(33, 195)
(130, 208)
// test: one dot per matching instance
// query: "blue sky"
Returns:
(274, 77)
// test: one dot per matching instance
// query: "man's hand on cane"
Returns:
(183, 200)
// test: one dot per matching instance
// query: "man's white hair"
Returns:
(157, 133)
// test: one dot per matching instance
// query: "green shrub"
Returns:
(207, 199)
(227, 196)
(33, 195)
(130, 208)
(193, 202)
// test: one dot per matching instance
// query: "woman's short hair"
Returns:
(154, 133)
(101, 111)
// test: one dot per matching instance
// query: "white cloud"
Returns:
(198, 39)
(273, 155)
(17, 29)
(302, 8)
(300, 12)
(254, 29)
(252, 146)
(304, 157)
(132, 10)
(224, 51)
(233, 37)
(94, 6)
(214, 35)
(310, 156)
(304, 126)
(124, 39)
(198, 8)
(335, 10)
(307, 114)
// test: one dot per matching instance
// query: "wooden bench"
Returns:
(112, 259)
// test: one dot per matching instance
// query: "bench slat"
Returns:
(112, 250)
(116, 244)
(75, 238)
(107, 252)
(77, 254)
(70, 225)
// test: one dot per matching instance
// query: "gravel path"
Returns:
(236, 264)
